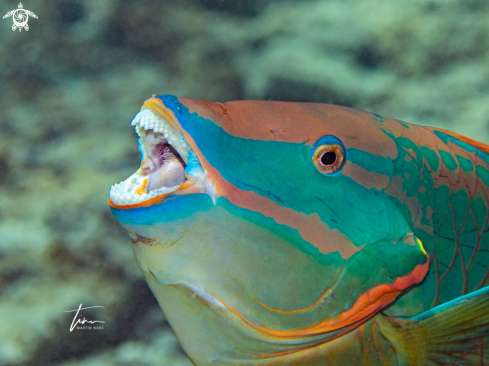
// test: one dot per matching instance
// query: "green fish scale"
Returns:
(450, 181)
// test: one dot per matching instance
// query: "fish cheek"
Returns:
(243, 263)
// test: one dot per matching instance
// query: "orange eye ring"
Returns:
(329, 158)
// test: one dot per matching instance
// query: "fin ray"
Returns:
(454, 333)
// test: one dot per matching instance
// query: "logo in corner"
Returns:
(79, 323)
(20, 17)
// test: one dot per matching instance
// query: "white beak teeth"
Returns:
(148, 120)
(125, 193)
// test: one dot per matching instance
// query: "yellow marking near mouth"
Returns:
(421, 246)
(142, 188)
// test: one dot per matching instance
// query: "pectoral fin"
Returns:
(455, 333)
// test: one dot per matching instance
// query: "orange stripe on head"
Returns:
(366, 178)
(296, 123)
(310, 226)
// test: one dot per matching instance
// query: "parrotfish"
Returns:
(280, 233)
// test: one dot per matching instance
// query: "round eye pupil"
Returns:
(328, 158)
(328, 155)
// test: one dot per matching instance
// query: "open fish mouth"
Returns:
(168, 164)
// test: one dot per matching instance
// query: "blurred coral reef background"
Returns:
(70, 86)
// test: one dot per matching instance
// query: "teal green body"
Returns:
(278, 263)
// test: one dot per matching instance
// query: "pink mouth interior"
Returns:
(163, 165)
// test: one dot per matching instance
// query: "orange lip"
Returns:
(147, 203)
(158, 199)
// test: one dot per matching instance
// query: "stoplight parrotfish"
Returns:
(275, 233)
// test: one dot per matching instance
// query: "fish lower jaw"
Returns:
(132, 191)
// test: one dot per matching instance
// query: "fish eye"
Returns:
(328, 155)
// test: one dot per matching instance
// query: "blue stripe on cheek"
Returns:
(173, 209)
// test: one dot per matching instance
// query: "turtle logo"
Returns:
(20, 17)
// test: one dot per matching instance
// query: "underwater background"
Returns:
(70, 86)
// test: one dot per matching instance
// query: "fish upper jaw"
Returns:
(168, 165)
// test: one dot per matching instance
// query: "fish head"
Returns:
(267, 225)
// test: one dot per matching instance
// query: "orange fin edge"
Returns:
(477, 144)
